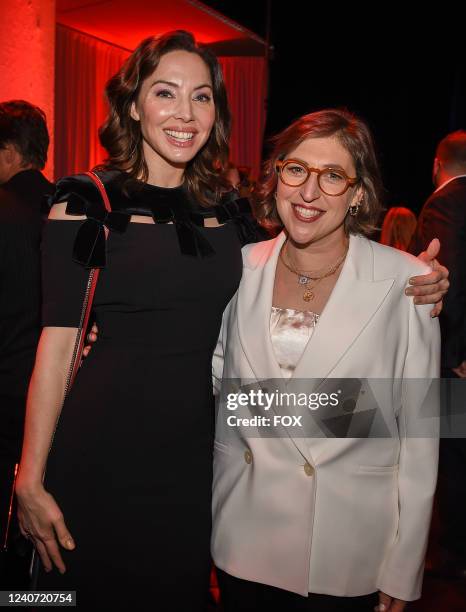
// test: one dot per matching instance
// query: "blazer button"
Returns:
(248, 456)
(308, 469)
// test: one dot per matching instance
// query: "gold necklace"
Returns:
(305, 277)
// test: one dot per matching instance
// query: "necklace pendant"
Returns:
(308, 295)
(303, 280)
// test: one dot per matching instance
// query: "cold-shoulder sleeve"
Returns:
(64, 280)
(70, 248)
(83, 198)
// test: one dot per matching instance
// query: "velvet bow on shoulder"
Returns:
(164, 205)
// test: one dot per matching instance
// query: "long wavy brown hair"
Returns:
(121, 135)
(355, 136)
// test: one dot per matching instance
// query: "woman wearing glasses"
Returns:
(333, 515)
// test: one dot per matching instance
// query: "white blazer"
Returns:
(341, 516)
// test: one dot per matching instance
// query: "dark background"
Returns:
(405, 75)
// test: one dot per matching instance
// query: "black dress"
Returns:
(131, 461)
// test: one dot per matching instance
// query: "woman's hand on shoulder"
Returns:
(58, 213)
(430, 288)
(389, 604)
(41, 521)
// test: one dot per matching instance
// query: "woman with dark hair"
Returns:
(323, 512)
(125, 506)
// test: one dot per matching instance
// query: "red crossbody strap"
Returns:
(88, 297)
(100, 186)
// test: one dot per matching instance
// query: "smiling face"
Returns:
(308, 214)
(176, 111)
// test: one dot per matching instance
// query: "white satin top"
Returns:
(290, 331)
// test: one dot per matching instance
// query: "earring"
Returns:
(353, 210)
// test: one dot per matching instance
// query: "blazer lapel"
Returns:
(355, 299)
(253, 309)
(255, 305)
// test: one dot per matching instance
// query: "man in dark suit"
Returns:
(444, 216)
(24, 142)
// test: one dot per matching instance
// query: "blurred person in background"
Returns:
(444, 216)
(398, 228)
(232, 175)
(246, 185)
(24, 141)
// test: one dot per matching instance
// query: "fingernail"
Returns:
(69, 543)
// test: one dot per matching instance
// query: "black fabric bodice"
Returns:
(165, 205)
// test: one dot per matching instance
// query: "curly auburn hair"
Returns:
(121, 135)
(353, 133)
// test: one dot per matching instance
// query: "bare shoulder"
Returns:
(58, 213)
